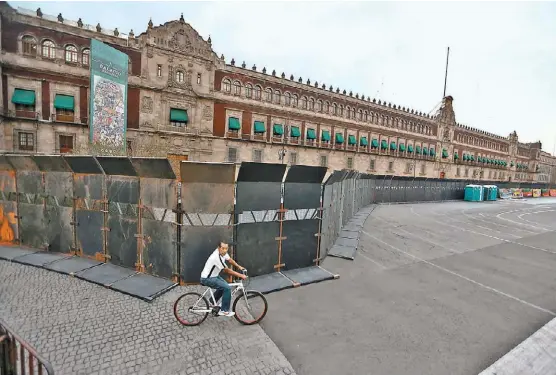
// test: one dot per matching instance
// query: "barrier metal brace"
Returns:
(18, 357)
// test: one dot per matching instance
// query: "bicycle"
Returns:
(201, 307)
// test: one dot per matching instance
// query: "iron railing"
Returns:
(18, 357)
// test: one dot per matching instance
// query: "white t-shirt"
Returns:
(215, 263)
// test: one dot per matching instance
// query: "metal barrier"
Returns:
(18, 357)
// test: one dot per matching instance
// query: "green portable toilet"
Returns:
(473, 193)
(490, 192)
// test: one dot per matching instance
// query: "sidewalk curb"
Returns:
(534, 356)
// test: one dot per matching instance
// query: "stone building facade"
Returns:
(185, 102)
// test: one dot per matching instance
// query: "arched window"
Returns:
(311, 104)
(268, 95)
(48, 49)
(319, 105)
(70, 54)
(353, 113)
(180, 77)
(341, 110)
(237, 88)
(277, 97)
(226, 84)
(360, 115)
(287, 99)
(248, 90)
(326, 108)
(335, 109)
(85, 56)
(366, 116)
(258, 92)
(304, 102)
(28, 45)
(294, 100)
(348, 112)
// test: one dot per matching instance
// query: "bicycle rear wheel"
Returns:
(250, 307)
(184, 305)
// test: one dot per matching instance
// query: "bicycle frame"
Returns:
(195, 309)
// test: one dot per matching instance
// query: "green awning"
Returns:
(325, 135)
(384, 144)
(466, 157)
(352, 140)
(480, 159)
(277, 129)
(392, 145)
(456, 156)
(363, 141)
(512, 164)
(425, 151)
(339, 138)
(259, 127)
(233, 123)
(374, 143)
(472, 157)
(294, 132)
(410, 148)
(23, 97)
(64, 102)
(178, 115)
(418, 150)
(431, 152)
(311, 134)
(444, 153)
(402, 147)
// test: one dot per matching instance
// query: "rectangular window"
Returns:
(178, 117)
(408, 168)
(293, 158)
(258, 156)
(466, 172)
(159, 70)
(26, 141)
(324, 161)
(423, 168)
(66, 143)
(350, 162)
(198, 78)
(64, 106)
(372, 165)
(391, 166)
(232, 155)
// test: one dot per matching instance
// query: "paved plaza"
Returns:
(83, 328)
(435, 288)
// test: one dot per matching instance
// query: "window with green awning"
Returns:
(374, 143)
(64, 102)
(425, 151)
(410, 148)
(384, 144)
(23, 97)
(402, 147)
(472, 157)
(392, 145)
(294, 132)
(339, 138)
(325, 136)
(259, 127)
(277, 129)
(456, 156)
(466, 157)
(352, 140)
(418, 150)
(363, 141)
(233, 123)
(431, 152)
(311, 134)
(512, 164)
(480, 159)
(178, 115)
(444, 153)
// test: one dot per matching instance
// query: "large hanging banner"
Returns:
(108, 104)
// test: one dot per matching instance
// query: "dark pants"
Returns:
(222, 290)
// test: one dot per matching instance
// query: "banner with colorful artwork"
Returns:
(553, 192)
(108, 103)
(527, 192)
(517, 193)
(545, 192)
(504, 193)
(536, 193)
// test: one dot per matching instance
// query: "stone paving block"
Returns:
(9, 253)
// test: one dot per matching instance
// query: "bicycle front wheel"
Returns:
(191, 309)
(250, 307)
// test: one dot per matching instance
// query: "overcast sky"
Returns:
(502, 70)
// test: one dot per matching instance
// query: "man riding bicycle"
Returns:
(210, 276)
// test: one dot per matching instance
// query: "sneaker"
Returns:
(226, 313)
